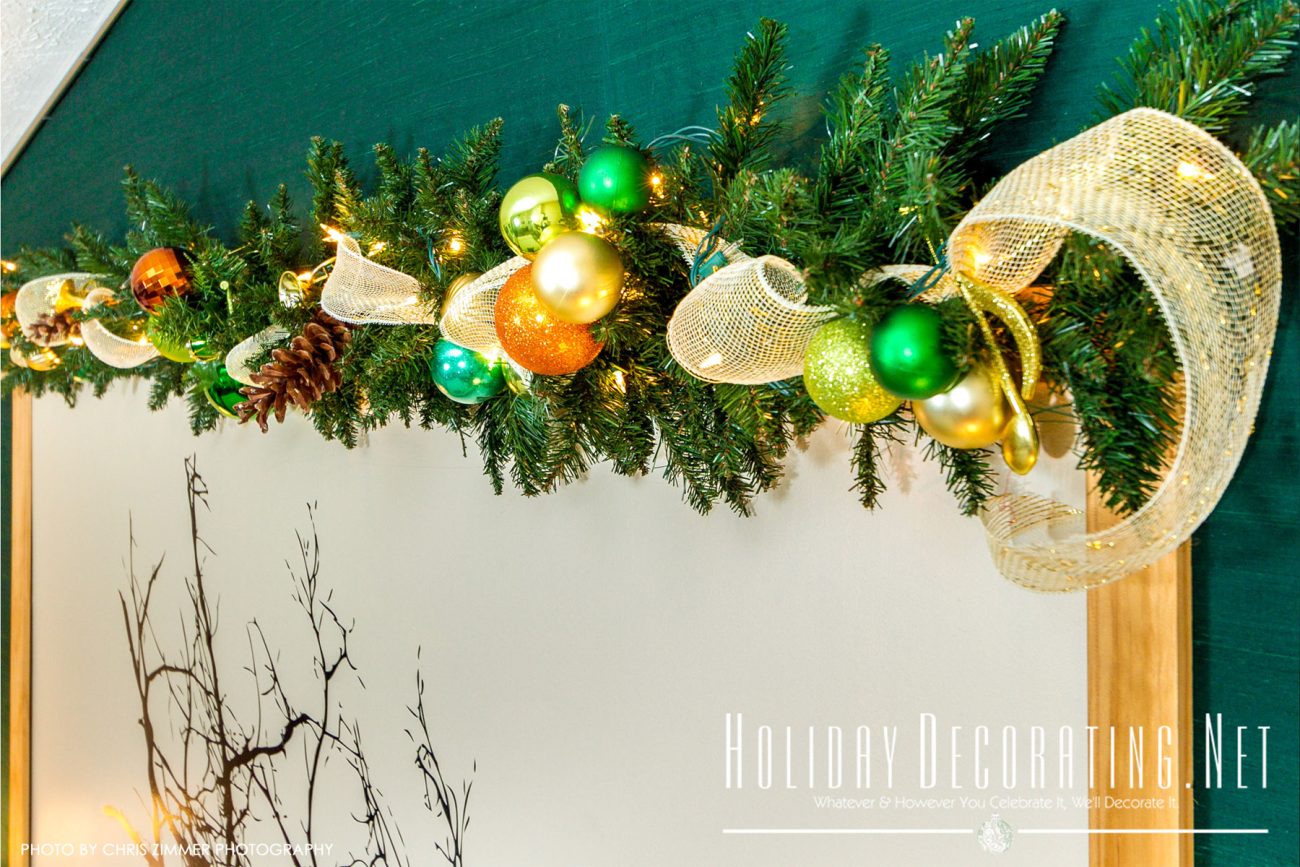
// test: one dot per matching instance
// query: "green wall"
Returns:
(218, 100)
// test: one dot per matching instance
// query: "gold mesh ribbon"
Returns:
(470, 318)
(363, 292)
(1193, 222)
(746, 323)
(110, 348)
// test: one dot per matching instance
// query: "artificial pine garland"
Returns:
(894, 175)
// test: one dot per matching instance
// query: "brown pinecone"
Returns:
(300, 374)
(51, 328)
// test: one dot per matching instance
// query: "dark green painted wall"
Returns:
(218, 100)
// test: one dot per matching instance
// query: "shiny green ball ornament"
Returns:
(837, 374)
(537, 208)
(907, 354)
(615, 179)
(464, 375)
(220, 388)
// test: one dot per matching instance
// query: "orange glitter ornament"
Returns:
(160, 274)
(534, 337)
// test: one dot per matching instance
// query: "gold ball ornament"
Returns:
(970, 415)
(578, 276)
(456, 286)
(837, 374)
(536, 209)
(42, 360)
(534, 337)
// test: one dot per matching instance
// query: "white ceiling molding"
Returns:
(43, 44)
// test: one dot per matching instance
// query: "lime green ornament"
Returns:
(175, 350)
(615, 179)
(464, 375)
(837, 374)
(537, 208)
(907, 354)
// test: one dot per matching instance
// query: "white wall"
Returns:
(584, 648)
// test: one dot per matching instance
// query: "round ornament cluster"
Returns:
(862, 375)
(577, 275)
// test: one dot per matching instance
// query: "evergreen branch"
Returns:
(1202, 59)
(999, 81)
(869, 444)
(1273, 156)
(909, 167)
(745, 127)
(855, 125)
(967, 474)
(569, 153)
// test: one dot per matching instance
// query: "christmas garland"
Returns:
(684, 304)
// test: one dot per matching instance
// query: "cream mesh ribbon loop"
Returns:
(746, 323)
(360, 291)
(240, 357)
(1193, 222)
(113, 350)
(39, 297)
(470, 318)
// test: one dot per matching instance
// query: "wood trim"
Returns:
(1140, 674)
(20, 630)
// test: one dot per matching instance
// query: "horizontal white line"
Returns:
(848, 830)
(1015, 830)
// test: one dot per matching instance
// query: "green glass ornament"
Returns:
(221, 389)
(907, 354)
(537, 208)
(615, 179)
(837, 374)
(464, 375)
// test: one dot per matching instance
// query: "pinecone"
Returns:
(300, 374)
(51, 328)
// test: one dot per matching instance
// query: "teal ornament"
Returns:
(907, 354)
(220, 388)
(615, 179)
(464, 375)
